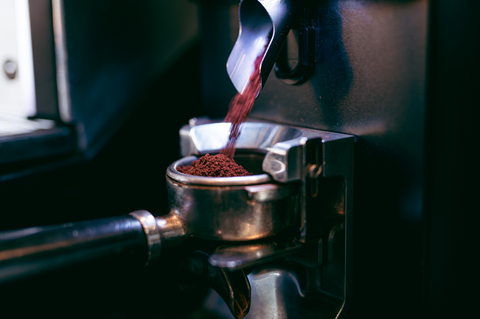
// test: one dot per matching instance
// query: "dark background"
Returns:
(400, 75)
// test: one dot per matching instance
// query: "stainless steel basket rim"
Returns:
(213, 181)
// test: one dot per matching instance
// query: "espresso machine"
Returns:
(343, 218)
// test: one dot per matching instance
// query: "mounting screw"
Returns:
(10, 69)
(314, 170)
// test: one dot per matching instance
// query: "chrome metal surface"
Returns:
(212, 181)
(285, 161)
(282, 144)
(234, 213)
(152, 232)
(233, 287)
(264, 26)
(285, 148)
(172, 228)
(322, 163)
(255, 137)
(235, 257)
(277, 293)
(61, 59)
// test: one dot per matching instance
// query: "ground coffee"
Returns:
(223, 165)
(214, 166)
(240, 108)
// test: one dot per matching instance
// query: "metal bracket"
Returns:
(323, 162)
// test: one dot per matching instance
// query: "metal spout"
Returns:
(264, 26)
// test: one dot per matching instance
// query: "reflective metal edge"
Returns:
(212, 181)
(152, 232)
(61, 57)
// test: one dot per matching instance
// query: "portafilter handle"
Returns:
(34, 250)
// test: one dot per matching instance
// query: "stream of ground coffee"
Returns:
(223, 165)
(240, 108)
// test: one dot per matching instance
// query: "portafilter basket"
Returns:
(232, 208)
(221, 208)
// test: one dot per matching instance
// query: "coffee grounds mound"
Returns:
(214, 166)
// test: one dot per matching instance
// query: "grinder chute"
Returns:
(264, 26)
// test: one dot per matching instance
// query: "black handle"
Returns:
(37, 249)
(306, 55)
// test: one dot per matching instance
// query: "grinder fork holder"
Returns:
(320, 165)
(300, 209)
